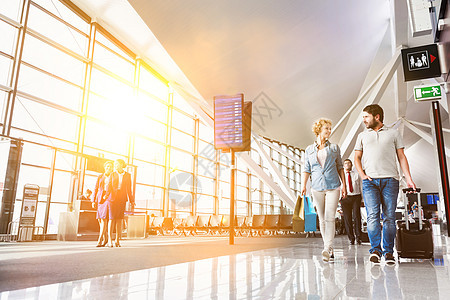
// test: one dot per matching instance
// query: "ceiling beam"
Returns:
(275, 171)
(424, 135)
(426, 125)
(356, 103)
(252, 165)
(378, 91)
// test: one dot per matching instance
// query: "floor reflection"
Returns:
(281, 273)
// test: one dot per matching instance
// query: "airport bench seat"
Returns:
(271, 224)
(156, 225)
(202, 225)
(285, 224)
(188, 225)
(257, 227)
(215, 222)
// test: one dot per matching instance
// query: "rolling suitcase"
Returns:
(414, 240)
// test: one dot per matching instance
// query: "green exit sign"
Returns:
(423, 93)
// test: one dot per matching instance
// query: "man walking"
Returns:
(379, 148)
(351, 205)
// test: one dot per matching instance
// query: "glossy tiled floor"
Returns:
(294, 272)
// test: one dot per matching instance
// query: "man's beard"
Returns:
(371, 125)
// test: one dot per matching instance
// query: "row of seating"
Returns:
(256, 225)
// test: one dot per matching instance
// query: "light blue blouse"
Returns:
(326, 178)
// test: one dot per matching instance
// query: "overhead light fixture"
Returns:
(419, 17)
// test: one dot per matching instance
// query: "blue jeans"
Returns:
(384, 192)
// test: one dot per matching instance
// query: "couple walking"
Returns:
(112, 191)
(377, 151)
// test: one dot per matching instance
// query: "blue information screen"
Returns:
(228, 121)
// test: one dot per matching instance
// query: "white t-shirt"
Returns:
(379, 158)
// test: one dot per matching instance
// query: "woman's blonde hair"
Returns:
(121, 162)
(317, 126)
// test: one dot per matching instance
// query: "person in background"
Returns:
(87, 195)
(105, 190)
(323, 164)
(85, 200)
(351, 205)
(378, 149)
(124, 194)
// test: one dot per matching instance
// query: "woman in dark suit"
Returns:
(104, 194)
(123, 195)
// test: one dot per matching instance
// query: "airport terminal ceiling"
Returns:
(309, 59)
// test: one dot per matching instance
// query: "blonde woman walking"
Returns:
(323, 163)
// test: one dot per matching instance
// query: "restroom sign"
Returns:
(421, 62)
(422, 93)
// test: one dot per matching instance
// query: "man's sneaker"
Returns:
(389, 258)
(375, 257)
(326, 255)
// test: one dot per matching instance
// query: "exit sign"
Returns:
(423, 93)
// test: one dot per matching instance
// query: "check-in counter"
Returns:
(79, 224)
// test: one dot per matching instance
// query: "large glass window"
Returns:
(180, 160)
(206, 133)
(126, 116)
(5, 65)
(45, 86)
(182, 140)
(206, 185)
(148, 197)
(9, 38)
(12, 9)
(54, 29)
(54, 61)
(44, 119)
(180, 201)
(148, 150)
(113, 62)
(149, 173)
(181, 104)
(183, 122)
(103, 136)
(151, 84)
(60, 10)
(115, 91)
(206, 167)
(149, 106)
(205, 204)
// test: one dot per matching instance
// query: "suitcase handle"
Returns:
(407, 190)
(414, 191)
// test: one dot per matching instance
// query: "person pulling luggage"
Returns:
(378, 148)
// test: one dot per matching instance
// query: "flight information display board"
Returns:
(229, 122)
